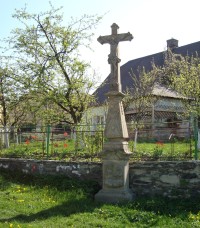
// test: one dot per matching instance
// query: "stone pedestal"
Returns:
(115, 187)
(115, 155)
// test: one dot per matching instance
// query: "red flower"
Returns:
(27, 142)
(159, 143)
(33, 136)
(65, 134)
(65, 145)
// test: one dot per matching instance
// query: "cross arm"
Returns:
(115, 39)
(103, 39)
(124, 37)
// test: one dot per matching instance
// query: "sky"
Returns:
(151, 22)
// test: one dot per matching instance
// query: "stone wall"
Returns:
(162, 178)
(166, 178)
(81, 170)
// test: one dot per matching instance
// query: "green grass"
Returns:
(46, 201)
(163, 150)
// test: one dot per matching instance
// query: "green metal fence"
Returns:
(49, 142)
(82, 143)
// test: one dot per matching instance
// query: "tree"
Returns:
(12, 112)
(186, 81)
(48, 56)
(140, 97)
(182, 74)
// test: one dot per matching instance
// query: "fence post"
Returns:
(6, 137)
(48, 130)
(195, 139)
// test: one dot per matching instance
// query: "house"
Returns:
(165, 110)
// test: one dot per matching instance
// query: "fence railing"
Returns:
(164, 141)
(50, 143)
(146, 142)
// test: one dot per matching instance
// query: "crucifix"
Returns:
(113, 57)
(115, 123)
(115, 154)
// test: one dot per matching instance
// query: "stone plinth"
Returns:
(115, 155)
(115, 187)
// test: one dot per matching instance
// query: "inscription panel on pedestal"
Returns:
(113, 176)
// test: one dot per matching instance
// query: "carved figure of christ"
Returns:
(113, 57)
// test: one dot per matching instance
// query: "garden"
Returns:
(85, 145)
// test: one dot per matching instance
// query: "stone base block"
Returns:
(114, 196)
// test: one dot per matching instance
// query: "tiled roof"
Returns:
(146, 62)
(162, 91)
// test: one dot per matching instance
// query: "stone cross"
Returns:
(115, 154)
(113, 57)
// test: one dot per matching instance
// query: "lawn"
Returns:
(178, 150)
(46, 201)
